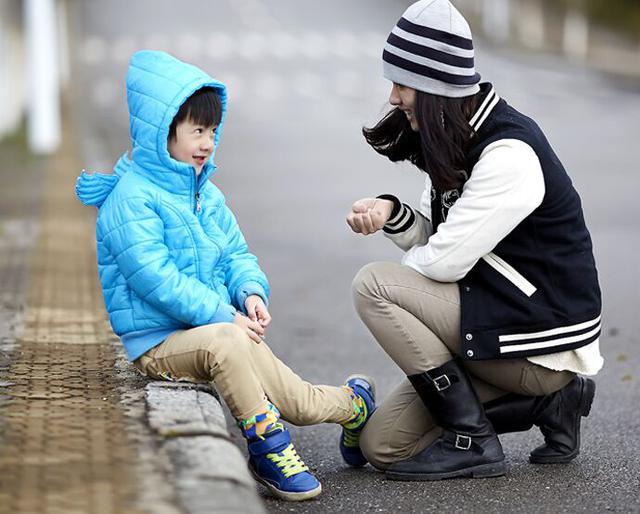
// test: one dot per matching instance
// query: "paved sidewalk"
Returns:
(74, 429)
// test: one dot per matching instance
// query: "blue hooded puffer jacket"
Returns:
(170, 253)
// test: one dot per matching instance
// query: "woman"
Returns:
(495, 308)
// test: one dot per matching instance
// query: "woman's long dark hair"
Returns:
(439, 148)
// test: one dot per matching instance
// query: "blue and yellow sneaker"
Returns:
(364, 403)
(274, 463)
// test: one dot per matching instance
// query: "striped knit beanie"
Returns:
(430, 49)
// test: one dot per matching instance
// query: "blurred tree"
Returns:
(618, 14)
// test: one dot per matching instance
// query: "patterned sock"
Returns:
(261, 423)
(359, 409)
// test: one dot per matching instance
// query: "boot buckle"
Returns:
(463, 442)
(442, 382)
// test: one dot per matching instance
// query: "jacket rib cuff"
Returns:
(247, 289)
(225, 314)
(402, 216)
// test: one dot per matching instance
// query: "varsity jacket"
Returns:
(513, 237)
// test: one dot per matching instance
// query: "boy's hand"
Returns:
(369, 215)
(257, 310)
(253, 329)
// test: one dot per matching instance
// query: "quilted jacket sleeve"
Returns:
(243, 274)
(133, 233)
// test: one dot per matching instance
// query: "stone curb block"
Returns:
(210, 471)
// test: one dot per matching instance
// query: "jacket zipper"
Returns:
(194, 184)
(510, 273)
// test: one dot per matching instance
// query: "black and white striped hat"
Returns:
(430, 49)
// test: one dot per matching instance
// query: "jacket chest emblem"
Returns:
(442, 202)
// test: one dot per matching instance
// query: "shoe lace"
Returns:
(351, 438)
(288, 461)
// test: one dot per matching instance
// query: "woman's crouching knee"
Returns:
(363, 282)
(366, 283)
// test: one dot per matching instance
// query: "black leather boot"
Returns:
(558, 416)
(468, 446)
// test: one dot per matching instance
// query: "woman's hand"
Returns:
(257, 310)
(369, 215)
(254, 330)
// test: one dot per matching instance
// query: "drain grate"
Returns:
(64, 440)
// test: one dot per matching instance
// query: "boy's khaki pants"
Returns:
(245, 374)
(417, 322)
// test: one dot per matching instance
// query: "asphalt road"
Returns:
(303, 78)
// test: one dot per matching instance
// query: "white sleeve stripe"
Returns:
(401, 219)
(401, 213)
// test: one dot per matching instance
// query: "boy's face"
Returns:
(193, 144)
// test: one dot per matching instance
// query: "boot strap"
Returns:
(427, 381)
(462, 442)
(441, 383)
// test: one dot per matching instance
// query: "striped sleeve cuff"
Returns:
(402, 216)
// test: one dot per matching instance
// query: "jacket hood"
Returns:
(157, 85)
(93, 188)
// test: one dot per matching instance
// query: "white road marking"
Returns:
(254, 13)
(157, 42)
(220, 46)
(372, 43)
(348, 84)
(313, 45)
(282, 45)
(122, 49)
(251, 46)
(105, 92)
(188, 47)
(94, 50)
(235, 86)
(307, 85)
(345, 45)
(269, 86)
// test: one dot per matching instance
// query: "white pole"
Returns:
(530, 20)
(495, 19)
(63, 44)
(575, 40)
(43, 76)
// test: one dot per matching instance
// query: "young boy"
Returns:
(183, 292)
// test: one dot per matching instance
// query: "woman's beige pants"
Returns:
(417, 322)
(245, 374)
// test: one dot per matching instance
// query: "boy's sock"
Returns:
(261, 423)
(359, 409)
(361, 390)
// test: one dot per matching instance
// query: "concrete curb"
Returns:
(211, 474)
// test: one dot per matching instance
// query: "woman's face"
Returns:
(404, 98)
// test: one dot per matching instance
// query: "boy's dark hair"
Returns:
(202, 108)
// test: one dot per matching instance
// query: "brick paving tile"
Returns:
(63, 444)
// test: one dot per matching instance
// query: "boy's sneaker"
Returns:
(365, 389)
(274, 463)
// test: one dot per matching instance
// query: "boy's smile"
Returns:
(193, 144)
